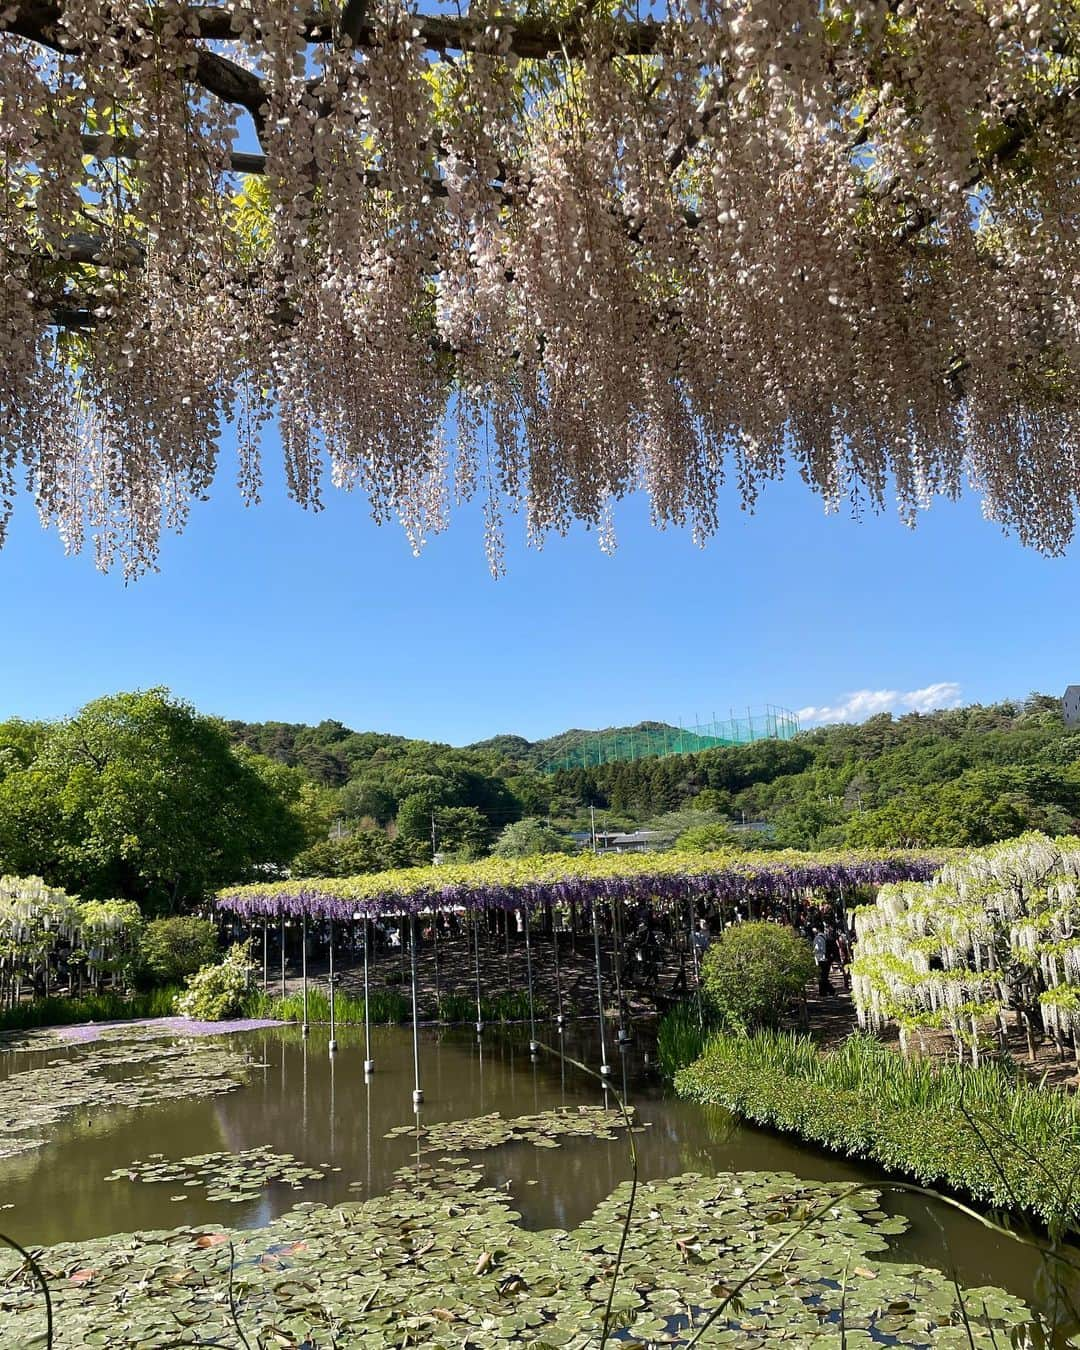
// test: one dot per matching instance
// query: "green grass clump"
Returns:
(681, 1035)
(348, 1011)
(984, 1131)
(505, 1007)
(61, 1011)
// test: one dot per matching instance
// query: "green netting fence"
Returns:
(652, 739)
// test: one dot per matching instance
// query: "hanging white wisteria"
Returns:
(35, 920)
(542, 253)
(994, 933)
(44, 931)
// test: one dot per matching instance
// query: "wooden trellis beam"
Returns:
(536, 39)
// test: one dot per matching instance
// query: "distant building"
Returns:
(615, 841)
(636, 841)
(1070, 706)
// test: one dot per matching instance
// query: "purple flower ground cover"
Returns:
(86, 1032)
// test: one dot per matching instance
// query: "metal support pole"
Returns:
(333, 1022)
(534, 1045)
(305, 1030)
(435, 949)
(265, 954)
(558, 974)
(605, 1067)
(369, 1063)
(283, 956)
(418, 1095)
(694, 960)
(476, 937)
(618, 949)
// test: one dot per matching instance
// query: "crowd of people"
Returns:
(823, 924)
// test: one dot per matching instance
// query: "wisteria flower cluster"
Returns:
(547, 255)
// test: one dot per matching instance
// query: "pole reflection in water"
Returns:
(333, 1106)
(367, 1093)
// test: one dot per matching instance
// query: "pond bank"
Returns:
(985, 1133)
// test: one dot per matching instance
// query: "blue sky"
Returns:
(276, 613)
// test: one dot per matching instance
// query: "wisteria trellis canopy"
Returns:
(720, 879)
(541, 252)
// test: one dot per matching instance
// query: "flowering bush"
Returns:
(218, 990)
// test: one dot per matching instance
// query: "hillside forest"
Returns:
(140, 796)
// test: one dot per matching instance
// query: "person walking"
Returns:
(843, 957)
(821, 958)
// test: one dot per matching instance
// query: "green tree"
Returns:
(139, 796)
(523, 838)
(978, 808)
(414, 819)
(357, 853)
(174, 948)
(709, 838)
(462, 831)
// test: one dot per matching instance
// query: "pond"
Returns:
(296, 1099)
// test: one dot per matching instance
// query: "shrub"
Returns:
(218, 990)
(752, 972)
(173, 949)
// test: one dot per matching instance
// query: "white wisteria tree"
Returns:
(540, 252)
(43, 928)
(994, 934)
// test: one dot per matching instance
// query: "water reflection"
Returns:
(325, 1109)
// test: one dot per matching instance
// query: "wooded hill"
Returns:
(962, 776)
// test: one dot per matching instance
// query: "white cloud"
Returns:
(864, 703)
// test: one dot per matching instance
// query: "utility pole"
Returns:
(592, 822)
(434, 850)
